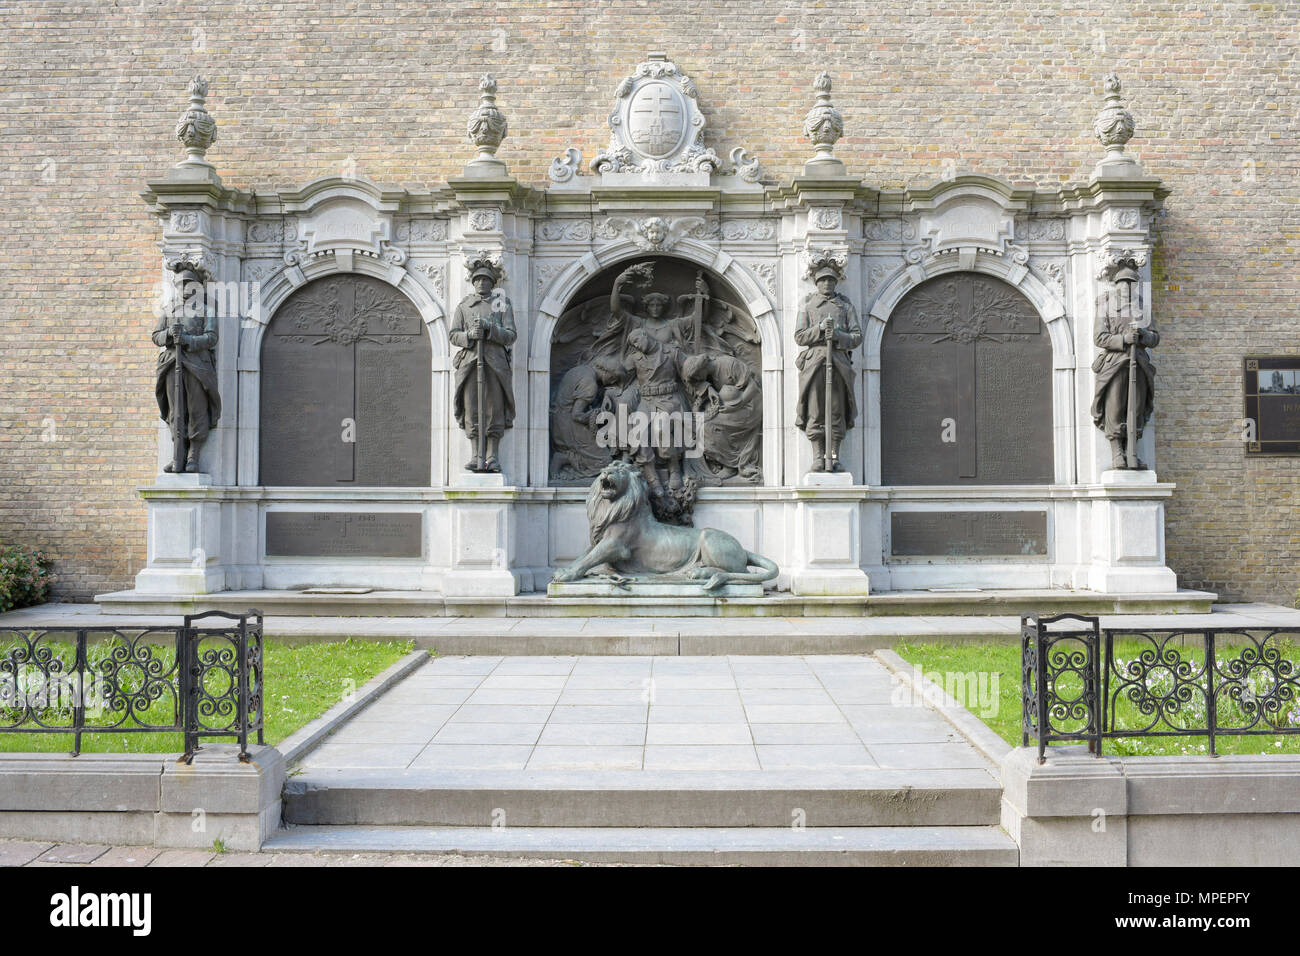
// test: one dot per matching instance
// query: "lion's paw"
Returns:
(563, 576)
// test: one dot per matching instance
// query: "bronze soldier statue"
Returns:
(1125, 393)
(828, 331)
(186, 379)
(483, 328)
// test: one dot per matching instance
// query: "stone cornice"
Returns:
(803, 191)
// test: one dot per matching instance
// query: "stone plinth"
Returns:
(828, 537)
(484, 531)
(667, 590)
(1128, 534)
(185, 554)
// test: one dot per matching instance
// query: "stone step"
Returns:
(594, 799)
(762, 846)
(376, 603)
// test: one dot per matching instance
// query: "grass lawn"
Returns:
(993, 670)
(302, 682)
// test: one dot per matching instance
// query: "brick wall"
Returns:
(89, 95)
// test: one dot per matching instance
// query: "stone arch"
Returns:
(1051, 311)
(556, 295)
(299, 272)
(731, 282)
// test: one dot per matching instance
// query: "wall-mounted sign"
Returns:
(1272, 390)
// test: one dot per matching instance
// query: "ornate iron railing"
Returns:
(1080, 684)
(197, 681)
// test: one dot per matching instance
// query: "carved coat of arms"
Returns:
(656, 124)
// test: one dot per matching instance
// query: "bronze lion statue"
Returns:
(626, 537)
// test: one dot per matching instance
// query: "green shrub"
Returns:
(25, 577)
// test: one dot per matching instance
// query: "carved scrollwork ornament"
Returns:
(565, 168)
(1115, 261)
(190, 262)
(486, 260)
(747, 166)
(819, 259)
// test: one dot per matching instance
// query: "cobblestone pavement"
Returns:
(20, 853)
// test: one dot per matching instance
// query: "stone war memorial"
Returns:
(807, 393)
(656, 433)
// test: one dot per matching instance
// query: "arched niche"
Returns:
(345, 387)
(731, 440)
(966, 389)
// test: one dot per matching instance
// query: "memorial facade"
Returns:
(877, 388)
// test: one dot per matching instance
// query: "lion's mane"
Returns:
(602, 513)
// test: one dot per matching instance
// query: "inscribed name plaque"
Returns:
(1272, 391)
(962, 534)
(346, 387)
(340, 534)
(965, 386)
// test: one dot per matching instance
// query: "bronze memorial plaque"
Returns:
(341, 534)
(965, 386)
(962, 534)
(1272, 392)
(346, 387)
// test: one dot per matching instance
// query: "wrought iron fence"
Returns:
(197, 681)
(1083, 683)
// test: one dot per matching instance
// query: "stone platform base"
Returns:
(429, 604)
(655, 590)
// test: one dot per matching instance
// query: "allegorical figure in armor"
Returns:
(483, 328)
(1123, 338)
(658, 366)
(826, 313)
(188, 328)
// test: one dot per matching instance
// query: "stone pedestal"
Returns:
(483, 538)
(184, 538)
(828, 537)
(667, 590)
(1128, 534)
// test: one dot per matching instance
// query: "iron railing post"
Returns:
(78, 701)
(241, 669)
(1211, 705)
(188, 651)
(1040, 688)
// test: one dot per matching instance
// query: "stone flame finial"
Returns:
(196, 129)
(1114, 128)
(823, 125)
(486, 129)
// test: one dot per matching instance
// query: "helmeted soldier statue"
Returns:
(483, 328)
(190, 404)
(826, 314)
(1125, 373)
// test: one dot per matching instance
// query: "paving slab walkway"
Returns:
(648, 714)
(15, 853)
